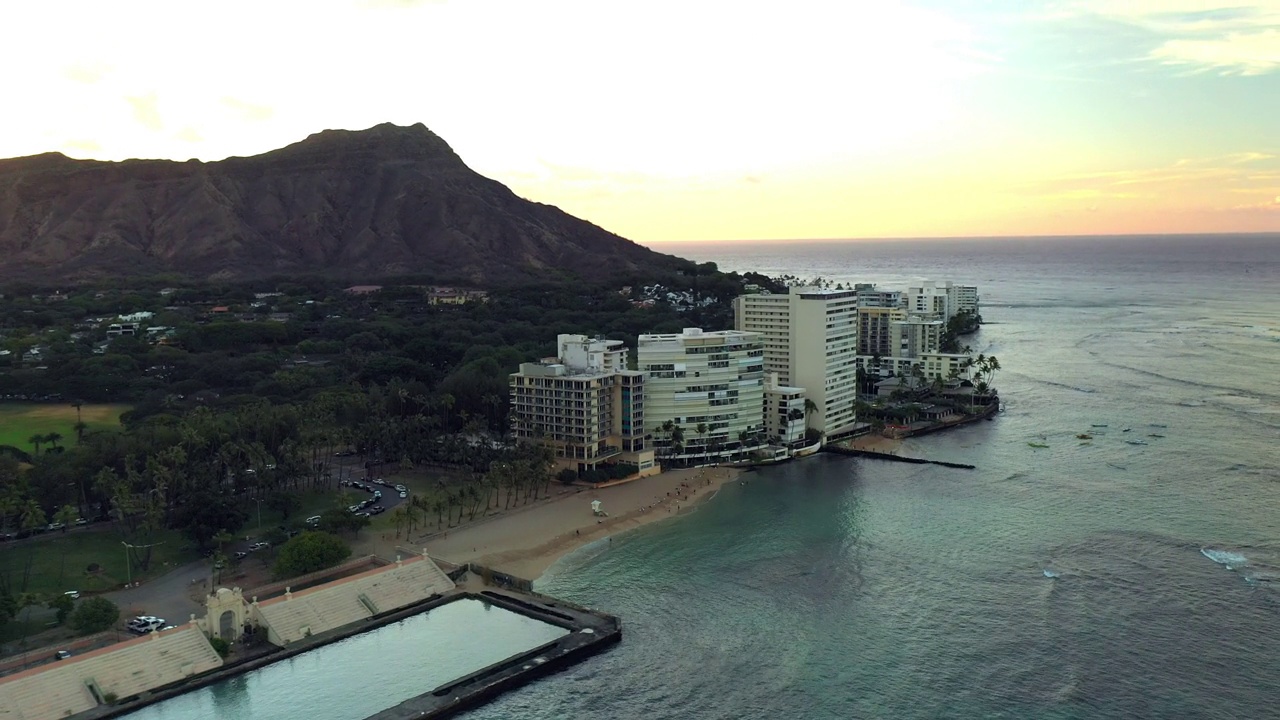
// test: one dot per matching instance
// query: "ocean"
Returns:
(1087, 579)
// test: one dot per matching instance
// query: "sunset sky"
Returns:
(687, 120)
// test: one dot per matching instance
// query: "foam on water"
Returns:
(1225, 558)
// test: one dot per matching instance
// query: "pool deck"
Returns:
(590, 632)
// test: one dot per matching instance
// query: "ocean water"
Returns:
(1098, 580)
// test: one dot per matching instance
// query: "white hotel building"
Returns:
(711, 378)
(810, 339)
(584, 404)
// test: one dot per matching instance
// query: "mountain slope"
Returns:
(357, 204)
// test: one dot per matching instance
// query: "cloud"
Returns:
(85, 73)
(1194, 179)
(1255, 53)
(146, 111)
(88, 146)
(248, 111)
(394, 4)
(1240, 37)
(1272, 205)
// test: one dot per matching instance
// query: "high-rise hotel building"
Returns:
(810, 337)
(709, 378)
(584, 404)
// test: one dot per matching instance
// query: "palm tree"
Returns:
(677, 440)
(399, 517)
(53, 438)
(66, 515)
(80, 427)
(37, 440)
(810, 409)
(702, 431)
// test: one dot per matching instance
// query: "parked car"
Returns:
(377, 493)
(143, 625)
(402, 488)
(259, 546)
(55, 526)
(353, 508)
(61, 655)
(313, 520)
(404, 494)
(81, 521)
(240, 555)
(73, 594)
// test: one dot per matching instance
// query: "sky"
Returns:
(669, 121)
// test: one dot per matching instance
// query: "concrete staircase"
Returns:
(62, 688)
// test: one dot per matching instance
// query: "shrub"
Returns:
(94, 615)
(309, 552)
(64, 605)
(222, 647)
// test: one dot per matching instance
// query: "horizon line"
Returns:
(900, 238)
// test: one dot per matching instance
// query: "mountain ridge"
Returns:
(389, 200)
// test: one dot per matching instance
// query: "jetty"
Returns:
(838, 450)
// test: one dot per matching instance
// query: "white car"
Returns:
(142, 627)
(73, 594)
(404, 494)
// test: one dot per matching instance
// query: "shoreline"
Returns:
(525, 544)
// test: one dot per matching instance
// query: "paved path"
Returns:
(171, 596)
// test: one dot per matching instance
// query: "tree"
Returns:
(338, 520)
(284, 503)
(37, 440)
(94, 615)
(567, 476)
(64, 604)
(205, 515)
(53, 438)
(66, 515)
(701, 429)
(309, 552)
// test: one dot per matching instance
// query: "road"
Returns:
(172, 596)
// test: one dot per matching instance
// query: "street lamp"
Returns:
(128, 566)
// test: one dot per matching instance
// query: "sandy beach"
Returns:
(526, 541)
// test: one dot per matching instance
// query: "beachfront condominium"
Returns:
(877, 309)
(584, 404)
(811, 341)
(940, 300)
(783, 413)
(710, 384)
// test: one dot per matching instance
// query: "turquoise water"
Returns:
(367, 673)
(841, 588)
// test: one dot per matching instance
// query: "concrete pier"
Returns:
(590, 632)
(893, 458)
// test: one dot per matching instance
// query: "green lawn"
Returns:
(60, 562)
(19, 421)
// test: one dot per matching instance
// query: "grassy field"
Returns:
(59, 562)
(19, 421)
